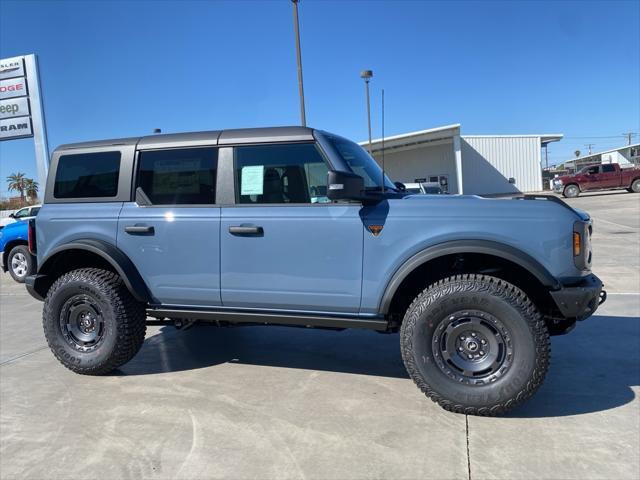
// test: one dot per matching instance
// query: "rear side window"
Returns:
(608, 168)
(181, 176)
(87, 175)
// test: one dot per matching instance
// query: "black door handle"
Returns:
(242, 230)
(139, 230)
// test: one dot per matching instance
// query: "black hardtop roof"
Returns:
(214, 137)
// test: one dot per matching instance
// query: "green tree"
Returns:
(16, 183)
(31, 188)
(577, 153)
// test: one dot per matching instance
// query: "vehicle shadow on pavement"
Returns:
(592, 369)
(349, 351)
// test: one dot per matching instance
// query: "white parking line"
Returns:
(598, 219)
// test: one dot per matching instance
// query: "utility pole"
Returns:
(589, 145)
(296, 28)
(546, 155)
(366, 75)
(629, 135)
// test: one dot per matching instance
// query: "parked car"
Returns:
(296, 226)
(429, 188)
(14, 252)
(606, 176)
(22, 214)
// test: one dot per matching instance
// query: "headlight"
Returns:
(557, 181)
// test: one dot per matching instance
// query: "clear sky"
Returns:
(117, 68)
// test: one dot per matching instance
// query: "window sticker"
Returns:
(252, 180)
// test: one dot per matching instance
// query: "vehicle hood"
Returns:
(575, 176)
(520, 206)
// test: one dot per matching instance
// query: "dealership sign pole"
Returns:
(21, 112)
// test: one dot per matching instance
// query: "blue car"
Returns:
(15, 256)
(297, 226)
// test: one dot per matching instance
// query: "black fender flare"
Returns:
(120, 262)
(487, 247)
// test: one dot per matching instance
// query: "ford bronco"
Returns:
(300, 227)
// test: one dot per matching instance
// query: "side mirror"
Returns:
(400, 186)
(344, 186)
(12, 215)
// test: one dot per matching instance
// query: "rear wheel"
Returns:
(635, 186)
(475, 344)
(91, 322)
(20, 263)
(571, 191)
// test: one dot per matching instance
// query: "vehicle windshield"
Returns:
(360, 162)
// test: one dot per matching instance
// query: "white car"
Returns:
(22, 214)
(431, 188)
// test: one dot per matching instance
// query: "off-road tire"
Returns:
(20, 252)
(635, 186)
(123, 321)
(571, 191)
(458, 295)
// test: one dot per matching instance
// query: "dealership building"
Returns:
(469, 164)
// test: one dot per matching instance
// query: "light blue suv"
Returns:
(296, 226)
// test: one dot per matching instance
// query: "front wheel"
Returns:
(91, 321)
(475, 344)
(20, 263)
(571, 191)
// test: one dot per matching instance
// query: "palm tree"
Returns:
(31, 188)
(577, 153)
(16, 182)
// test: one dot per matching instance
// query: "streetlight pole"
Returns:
(296, 27)
(366, 75)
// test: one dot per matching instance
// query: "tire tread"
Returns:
(494, 286)
(129, 313)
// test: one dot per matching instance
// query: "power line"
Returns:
(589, 145)
(602, 136)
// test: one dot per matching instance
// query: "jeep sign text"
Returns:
(18, 107)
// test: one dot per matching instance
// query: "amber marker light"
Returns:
(577, 244)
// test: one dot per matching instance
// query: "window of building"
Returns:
(87, 175)
(286, 173)
(180, 176)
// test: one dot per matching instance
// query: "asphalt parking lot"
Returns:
(257, 402)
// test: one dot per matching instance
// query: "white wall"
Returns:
(422, 162)
(614, 157)
(489, 162)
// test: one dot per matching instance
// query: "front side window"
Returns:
(87, 175)
(285, 173)
(180, 176)
(21, 213)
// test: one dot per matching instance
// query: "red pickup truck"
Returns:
(607, 176)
